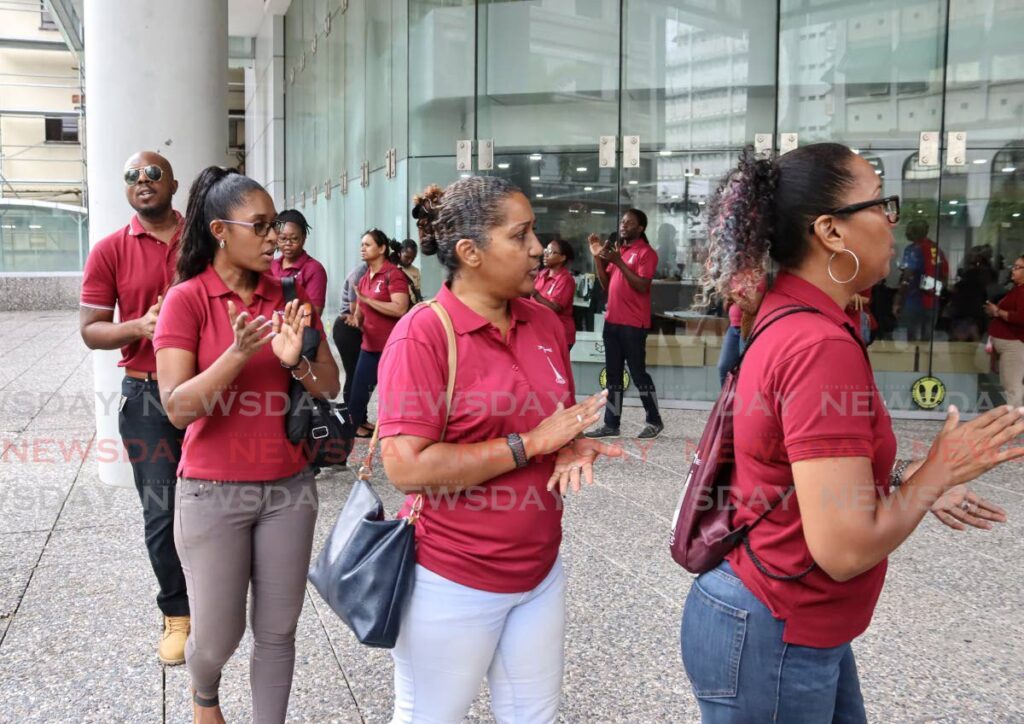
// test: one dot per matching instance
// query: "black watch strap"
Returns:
(515, 443)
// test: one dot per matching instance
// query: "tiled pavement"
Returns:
(78, 625)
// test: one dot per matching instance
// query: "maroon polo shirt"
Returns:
(626, 305)
(559, 288)
(243, 439)
(309, 273)
(130, 269)
(805, 391)
(1013, 326)
(501, 536)
(388, 280)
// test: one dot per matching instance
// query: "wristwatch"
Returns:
(515, 443)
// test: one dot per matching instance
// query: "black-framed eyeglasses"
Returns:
(152, 171)
(890, 204)
(260, 228)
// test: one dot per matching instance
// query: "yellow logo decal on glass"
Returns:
(928, 392)
(603, 379)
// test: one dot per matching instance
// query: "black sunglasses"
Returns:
(891, 204)
(153, 173)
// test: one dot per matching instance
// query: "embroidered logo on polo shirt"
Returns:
(632, 258)
(380, 283)
(558, 375)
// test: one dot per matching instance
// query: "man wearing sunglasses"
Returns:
(924, 273)
(132, 269)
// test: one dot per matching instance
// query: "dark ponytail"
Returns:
(763, 209)
(396, 251)
(214, 194)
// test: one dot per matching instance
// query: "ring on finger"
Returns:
(966, 505)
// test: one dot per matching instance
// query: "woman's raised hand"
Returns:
(962, 452)
(564, 426)
(287, 331)
(575, 463)
(249, 335)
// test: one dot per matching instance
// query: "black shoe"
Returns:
(650, 431)
(603, 431)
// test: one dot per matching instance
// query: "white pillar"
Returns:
(155, 79)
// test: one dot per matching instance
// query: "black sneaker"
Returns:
(650, 431)
(601, 432)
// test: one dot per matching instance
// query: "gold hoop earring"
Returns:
(856, 269)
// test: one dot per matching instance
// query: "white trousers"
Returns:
(452, 636)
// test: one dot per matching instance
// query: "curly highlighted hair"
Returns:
(762, 211)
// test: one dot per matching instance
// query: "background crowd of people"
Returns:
(210, 338)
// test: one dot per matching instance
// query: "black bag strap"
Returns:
(785, 312)
(288, 287)
(310, 335)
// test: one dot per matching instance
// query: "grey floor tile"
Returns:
(21, 551)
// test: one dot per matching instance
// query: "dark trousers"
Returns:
(627, 345)
(154, 449)
(347, 339)
(363, 385)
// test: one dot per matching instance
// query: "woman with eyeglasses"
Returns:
(295, 262)
(766, 634)
(1007, 332)
(382, 297)
(555, 286)
(227, 348)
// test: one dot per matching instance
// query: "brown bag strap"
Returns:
(453, 357)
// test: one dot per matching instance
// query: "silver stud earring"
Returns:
(222, 243)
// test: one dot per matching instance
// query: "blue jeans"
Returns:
(742, 671)
(730, 354)
(363, 383)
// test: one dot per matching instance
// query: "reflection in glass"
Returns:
(548, 73)
(867, 73)
(698, 73)
(985, 72)
(441, 83)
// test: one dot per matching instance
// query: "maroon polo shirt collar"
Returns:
(805, 293)
(215, 286)
(466, 321)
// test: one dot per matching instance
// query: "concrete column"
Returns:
(155, 79)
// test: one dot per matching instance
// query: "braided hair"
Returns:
(467, 209)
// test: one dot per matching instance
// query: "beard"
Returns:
(154, 212)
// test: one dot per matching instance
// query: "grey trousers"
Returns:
(230, 537)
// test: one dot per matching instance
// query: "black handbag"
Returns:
(322, 426)
(367, 568)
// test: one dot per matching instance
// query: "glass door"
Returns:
(869, 74)
(982, 187)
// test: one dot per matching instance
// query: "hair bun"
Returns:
(426, 207)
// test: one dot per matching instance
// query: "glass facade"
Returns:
(42, 236)
(695, 81)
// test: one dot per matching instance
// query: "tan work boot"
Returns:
(172, 643)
